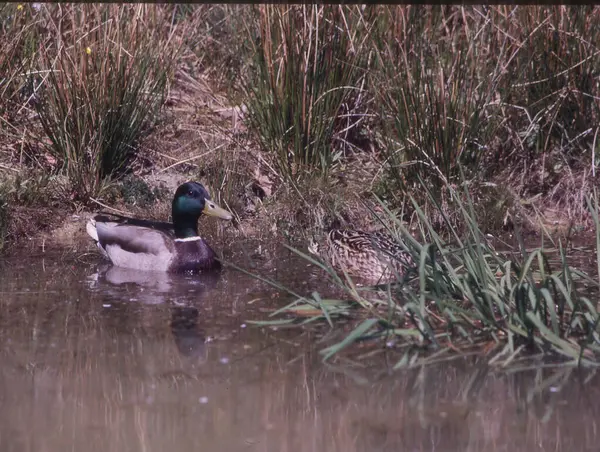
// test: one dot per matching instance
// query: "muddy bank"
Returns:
(217, 150)
(524, 173)
(282, 217)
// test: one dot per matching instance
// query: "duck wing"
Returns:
(127, 221)
(354, 241)
(133, 235)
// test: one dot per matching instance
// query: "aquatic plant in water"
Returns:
(465, 297)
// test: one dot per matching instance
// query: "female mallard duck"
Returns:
(372, 256)
(148, 245)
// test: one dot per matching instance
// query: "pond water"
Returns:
(100, 359)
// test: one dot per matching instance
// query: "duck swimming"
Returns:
(156, 246)
(371, 256)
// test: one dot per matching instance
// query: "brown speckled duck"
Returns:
(371, 256)
(158, 246)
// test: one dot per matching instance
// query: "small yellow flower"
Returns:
(19, 7)
(88, 50)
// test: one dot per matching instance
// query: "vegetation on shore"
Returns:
(463, 297)
(447, 120)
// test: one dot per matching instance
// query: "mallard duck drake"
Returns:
(158, 246)
(371, 256)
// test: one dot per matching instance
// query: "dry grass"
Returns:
(501, 91)
(306, 91)
(295, 134)
(108, 70)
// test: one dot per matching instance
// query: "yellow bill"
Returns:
(212, 210)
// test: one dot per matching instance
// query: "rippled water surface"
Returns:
(100, 359)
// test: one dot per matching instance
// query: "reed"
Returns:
(306, 93)
(466, 297)
(108, 68)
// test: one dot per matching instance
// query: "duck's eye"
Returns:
(190, 193)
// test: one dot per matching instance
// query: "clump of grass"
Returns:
(507, 94)
(435, 82)
(466, 297)
(108, 68)
(551, 88)
(549, 105)
(136, 192)
(305, 93)
(18, 34)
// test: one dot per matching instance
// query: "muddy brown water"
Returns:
(100, 359)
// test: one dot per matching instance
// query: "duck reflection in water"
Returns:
(182, 292)
(189, 337)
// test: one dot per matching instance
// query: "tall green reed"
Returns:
(502, 88)
(550, 92)
(435, 83)
(108, 68)
(19, 35)
(306, 92)
(467, 297)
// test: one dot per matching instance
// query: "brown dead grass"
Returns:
(201, 136)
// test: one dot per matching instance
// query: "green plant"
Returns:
(306, 94)
(434, 83)
(108, 68)
(135, 191)
(467, 297)
(19, 34)
(550, 88)
(506, 93)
